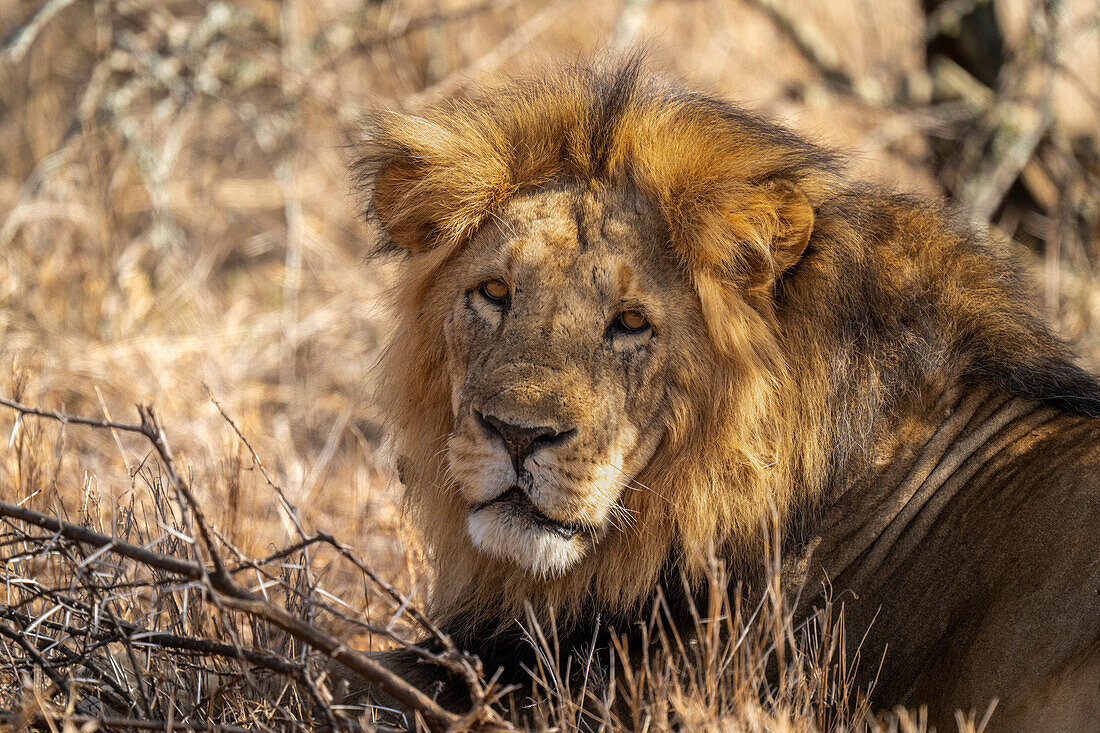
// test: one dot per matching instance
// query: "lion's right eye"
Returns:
(632, 321)
(495, 290)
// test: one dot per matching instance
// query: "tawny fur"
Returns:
(824, 310)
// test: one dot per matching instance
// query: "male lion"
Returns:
(634, 320)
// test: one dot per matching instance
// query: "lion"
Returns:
(633, 321)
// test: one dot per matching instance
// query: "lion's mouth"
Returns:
(517, 502)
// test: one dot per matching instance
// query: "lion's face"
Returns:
(563, 314)
(586, 380)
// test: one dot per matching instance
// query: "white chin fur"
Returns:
(496, 531)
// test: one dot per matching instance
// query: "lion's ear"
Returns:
(430, 184)
(404, 218)
(773, 223)
(793, 225)
(400, 180)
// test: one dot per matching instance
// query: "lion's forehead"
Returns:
(604, 242)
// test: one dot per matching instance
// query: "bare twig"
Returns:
(72, 419)
(427, 21)
(225, 588)
(169, 564)
(809, 43)
(290, 509)
(26, 646)
(235, 596)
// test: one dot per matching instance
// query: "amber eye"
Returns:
(495, 290)
(632, 321)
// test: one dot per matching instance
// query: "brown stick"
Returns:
(19, 42)
(74, 419)
(28, 648)
(225, 588)
(810, 44)
(465, 665)
(236, 596)
(168, 563)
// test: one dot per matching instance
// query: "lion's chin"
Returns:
(499, 531)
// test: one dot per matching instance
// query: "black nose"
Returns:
(521, 440)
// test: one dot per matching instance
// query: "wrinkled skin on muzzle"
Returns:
(561, 324)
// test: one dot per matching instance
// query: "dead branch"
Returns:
(488, 62)
(467, 666)
(205, 647)
(77, 533)
(236, 596)
(26, 646)
(443, 17)
(230, 593)
(289, 508)
(810, 44)
(71, 419)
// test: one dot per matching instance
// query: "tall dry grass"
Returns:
(175, 218)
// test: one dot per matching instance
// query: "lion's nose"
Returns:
(522, 440)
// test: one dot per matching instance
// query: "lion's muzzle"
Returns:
(519, 503)
(538, 451)
(517, 461)
(513, 528)
(521, 440)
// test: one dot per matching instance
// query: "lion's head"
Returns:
(562, 313)
(585, 379)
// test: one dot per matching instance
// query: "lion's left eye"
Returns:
(495, 290)
(632, 321)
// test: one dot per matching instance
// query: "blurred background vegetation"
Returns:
(175, 212)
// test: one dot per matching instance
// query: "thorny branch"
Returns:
(213, 575)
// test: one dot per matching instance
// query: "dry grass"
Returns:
(174, 216)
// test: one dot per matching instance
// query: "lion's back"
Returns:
(990, 589)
